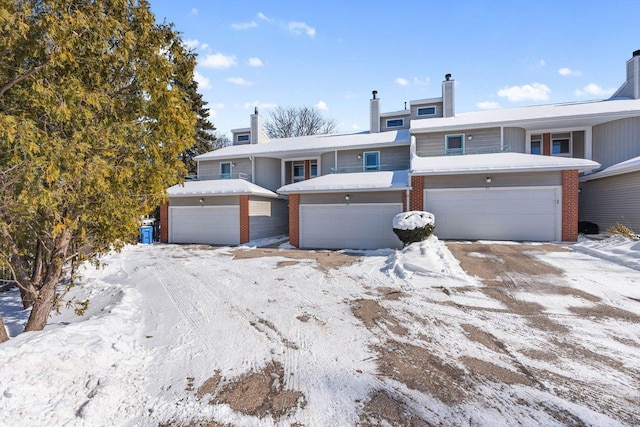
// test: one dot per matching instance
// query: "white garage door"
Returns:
(522, 213)
(216, 225)
(354, 226)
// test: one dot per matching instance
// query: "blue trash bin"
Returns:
(146, 234)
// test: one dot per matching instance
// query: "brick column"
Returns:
(294, 220)
(307, 169)
(244, 219)
(164, 223)
(546, 144)
(416, 198)
(569, 205)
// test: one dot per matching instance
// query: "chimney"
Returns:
(374, 108)
(631, 87)
(448, 97)
(257, 133)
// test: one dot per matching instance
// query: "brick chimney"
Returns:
(257, 133)
(448, 97)
(374, 108)
(631, 87)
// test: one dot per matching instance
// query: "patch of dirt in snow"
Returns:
(383, 408)
(373, 314)
(603, 311)
(326, 260)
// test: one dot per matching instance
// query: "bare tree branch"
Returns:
(297, 121)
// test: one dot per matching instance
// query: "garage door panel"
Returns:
(353, 226)
(526, 213)
(219, 225)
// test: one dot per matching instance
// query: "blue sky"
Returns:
(332, 54)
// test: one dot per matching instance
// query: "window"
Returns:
(225, 170)
(298, 171)
(371, 161)
(561, 144)
(243, 138)
(536, 144)
(314, 169)
(395, 123)
(427, 111)
(454, 145)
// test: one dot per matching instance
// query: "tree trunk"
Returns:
(3, 332)
(42, 306)
(26, 298)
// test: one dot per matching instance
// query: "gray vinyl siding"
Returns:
(433, 144)
(364, 197)
(414, 110)
(327, 162)
(267, 172)
(206, 201)
(616, 141)
(407, 122)
(515, 138)
(497, 180)
(577, 143)
(391, 158)
(612, 200)
(210, 169)
(267, 217)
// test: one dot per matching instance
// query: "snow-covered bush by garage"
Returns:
(413, 226)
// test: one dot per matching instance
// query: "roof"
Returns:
(310, 145)
(540, 117)
(353, 182)
(497, 163)
(631, 165)
(219, 187)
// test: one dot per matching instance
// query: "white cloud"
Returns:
(542, 63)
(244, 25)
(192, 43)
(321, 105)
(355, 127)
(239, 81)
(564, 71)
(488, 105)
(218, 61)
(593, 89)
(402, 81)
(301, 27)
(203, 82)
(419, 82)
(533, 92)
(194, 11)
(255, 62)
(264, 17)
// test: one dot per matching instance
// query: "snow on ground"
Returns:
(184, 335)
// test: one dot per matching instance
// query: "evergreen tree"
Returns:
(93, 119)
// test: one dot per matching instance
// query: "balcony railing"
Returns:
(206, 177)
(378, 168)
(477, 149)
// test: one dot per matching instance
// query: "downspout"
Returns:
(408, 193)
(253, 170)
(501, 139)
(335, 161)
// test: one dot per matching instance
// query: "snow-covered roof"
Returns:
(310, 145)
(496, 163)
(219, 187)
(538, 117)
(631, 165)
(354, 182)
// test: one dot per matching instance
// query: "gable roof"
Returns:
(497, 163)
(219, 187)
(311, 145)
(352, 182)
(539, 117)
(631, 165)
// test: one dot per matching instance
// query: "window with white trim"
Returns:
(313, 168)
(225, 170)
(243, 138)
(298, 171)
(395, 123)
(536, 144)
(561, 144)
(426, 111)
(454, 145)
(371, 161)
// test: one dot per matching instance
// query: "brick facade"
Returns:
(416, 198)
(570, 205)
(244, 219)
(164, 223)
(294, 220)
(546, 144)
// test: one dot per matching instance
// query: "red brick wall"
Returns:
(546, 144)
(569, 205)
(307, 169)
(416, 198)
(244, 219)
(294, 220)
(164, 223)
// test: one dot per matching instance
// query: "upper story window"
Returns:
(313, 166)
(454, 145)
(427, 111)
(371, 161)
(243, 138)
(225, 170)
(536, 144)
(561, 144)
(395, 123)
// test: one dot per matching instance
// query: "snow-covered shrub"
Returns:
(621, 230)
(413, 226)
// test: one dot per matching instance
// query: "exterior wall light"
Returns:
(487, 180)
(201, 200)
(347, 197)
(359, 156)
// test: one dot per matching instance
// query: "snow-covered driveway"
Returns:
(188, 335)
